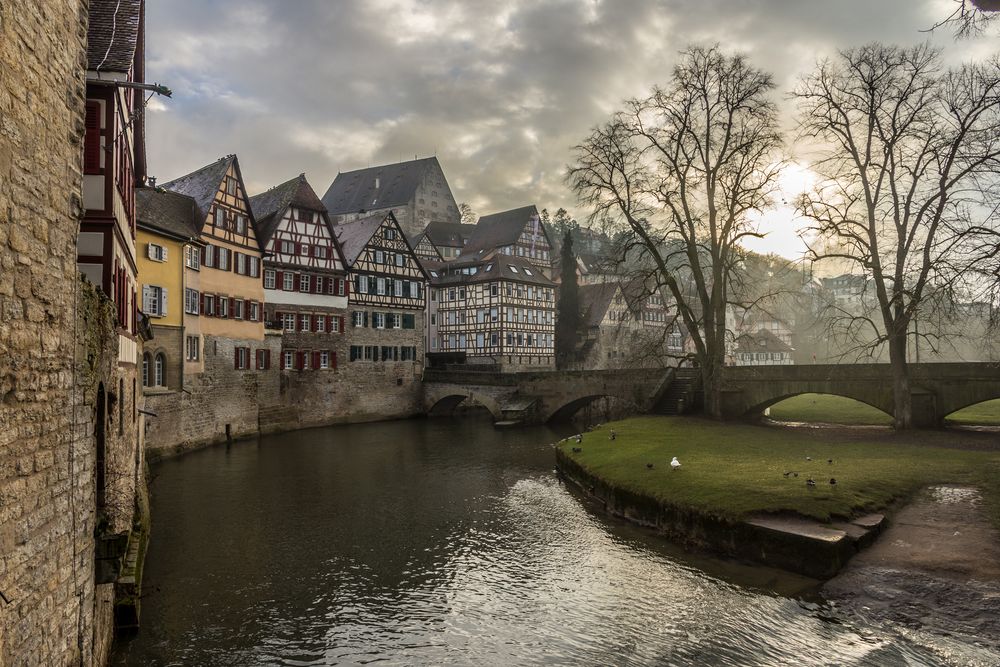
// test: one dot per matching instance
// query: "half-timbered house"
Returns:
(423, 248)
(387, 295)
(228, 308)
(498, 310)
(416, 192)
(518, 232)
(448, 238)
(114, 162)
(305, 279)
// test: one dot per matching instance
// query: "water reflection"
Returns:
(448, 542)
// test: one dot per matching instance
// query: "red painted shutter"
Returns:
(333, 360)
(299, 360)
(315, 363)
(92, 140)
(236, 357)
(295, 282)
(279, 280)
(343, 324)
(204, 304)
(217, 252)
(329, 324)
(267, 359)
(232, 308)
(347, 287)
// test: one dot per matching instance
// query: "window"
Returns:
(208, 256)
(254, 267)
(160, 369)
(451, 294)
(230, 186)
(238, 303)
(494, 314)
(287, 359)
(207, 304)
(287, 248)
(356, 353)
(304, 282)
(319, 251)
(145, 369)
(241, 358)
(92, 139)
(399, 260)
(414, 290)
(192, 258)
(390, 234)
(494, 289)
(379, 257)
(335, 326)
(527, 271)
(320, 324)
(513, 269)
(241, 264)
(263, 359)
(220, 217)
(154, 300)
(480, 340)
(254, 311)
(358, 318)
(155, 252)
(304, 322)
(269, 278)
(378, 320)
(288, 281)
(304, 249)
(341, 287)
(223, 310)
(288, 321)
(191, 299)
(192, 348)
(241, 224)
(380, 289)
(324, 359)
(494, 339)
(223, 259)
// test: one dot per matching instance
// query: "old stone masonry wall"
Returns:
(46, 536)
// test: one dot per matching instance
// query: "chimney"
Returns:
(152, 181)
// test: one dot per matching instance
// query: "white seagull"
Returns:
(675, 464)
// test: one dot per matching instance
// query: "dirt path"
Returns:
(937, 568)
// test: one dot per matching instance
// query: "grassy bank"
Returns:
(981, 414)
(732, 470)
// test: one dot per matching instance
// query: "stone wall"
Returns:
(46, 464)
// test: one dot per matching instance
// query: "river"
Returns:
(444, 541)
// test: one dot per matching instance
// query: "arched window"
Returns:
(161, 363)
(145, 369)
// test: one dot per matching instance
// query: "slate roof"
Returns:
(762, 341)
(113, 34)
(168, 212)
(268, 206)
(500, 229)
(595, 301)
(354, 191)
(202, 184)
(495, 268)
(448, 234)
(355, 235)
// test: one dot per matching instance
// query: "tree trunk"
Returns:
(902, 400)
(711, 384)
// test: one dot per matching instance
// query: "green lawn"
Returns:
(731, 470)
(828, 409)
(981, 414)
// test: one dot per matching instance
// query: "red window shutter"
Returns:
(329, 324)
(279, 280)
(92, 139)
(236, 262)
(236, 357)
(347, 287)
(315, 363)
(301, 360)
(295, 282)
(342, 325)
(217, 251)
(204, 304)
(267, 359)
(282, 359)
(333, 360)
(232, 307)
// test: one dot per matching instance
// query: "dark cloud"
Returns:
(500, 91)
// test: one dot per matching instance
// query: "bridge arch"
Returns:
(567, 409)
(758, 410)
(445, 403)
(949, 416)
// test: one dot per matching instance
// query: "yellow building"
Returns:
(166, 240)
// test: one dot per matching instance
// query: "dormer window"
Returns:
(513, 269)
(527, 271)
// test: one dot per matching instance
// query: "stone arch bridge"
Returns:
(540, 396)
(937, 389)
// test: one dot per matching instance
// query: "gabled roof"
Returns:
(202, 184)
(167, 212)
(355, 191)
(762, 341)
(595, 301)
(355, 235)
(448, 234)
(501, 229)
(113, 34)
(268, 206)
(499, 267)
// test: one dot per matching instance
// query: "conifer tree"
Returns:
(568, 308)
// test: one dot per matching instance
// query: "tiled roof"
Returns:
(202, 184)
(762, 341)
(594, 302)
(500, 267)
(448, 234)
(113, 34)
(355, 191)
(355, 235)
(169, 212)
(268, 206)
(501, 229)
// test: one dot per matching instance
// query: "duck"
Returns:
(810, 482)
(809, 458)
(613, 435)
(579, 439)
(649, 466)
(786, 473)
(833, 481)
(577, 450)
(830, 461)
(675, 464)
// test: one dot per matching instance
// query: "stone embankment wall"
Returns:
(46, 460)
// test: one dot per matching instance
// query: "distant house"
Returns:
(416, 192)
(516, 233)
(305, 277)
(761, 348)
(448, 238)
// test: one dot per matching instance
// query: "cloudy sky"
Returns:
(499, 90)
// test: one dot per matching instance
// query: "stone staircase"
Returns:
(679, 397)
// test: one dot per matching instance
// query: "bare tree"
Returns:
(675, 176)
(468, 215)
(970, 18)
(907, 155)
